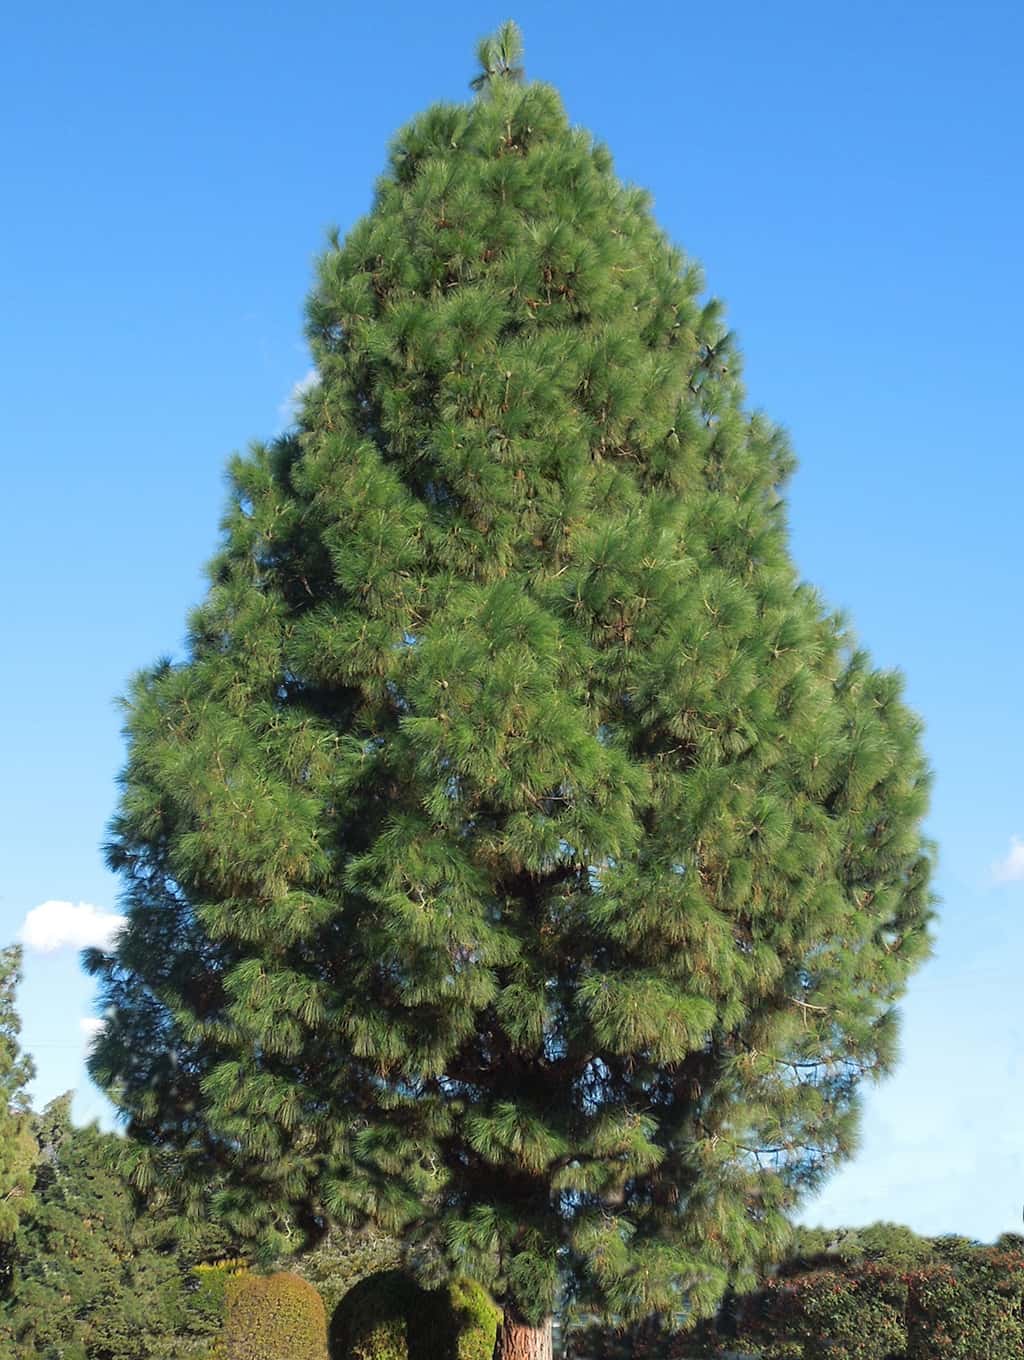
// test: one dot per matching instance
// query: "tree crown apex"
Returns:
(500, 56)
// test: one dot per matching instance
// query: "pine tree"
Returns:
(522, 857)
(17, 1146)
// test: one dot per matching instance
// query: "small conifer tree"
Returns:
(522, 857)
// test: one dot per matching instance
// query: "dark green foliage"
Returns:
(272, 1317)
(344, 1258)
(17, 1146)
(389, 1317)
(208, 1303)
(522, 857)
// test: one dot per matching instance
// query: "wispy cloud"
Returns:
(1010, 869)
(290, 406)
(69, 925)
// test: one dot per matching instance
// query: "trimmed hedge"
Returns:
(388, 1316)
(964, 1301)
(265, 1317)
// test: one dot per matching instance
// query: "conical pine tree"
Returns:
(522, 856)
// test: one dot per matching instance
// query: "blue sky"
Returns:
(849, 177)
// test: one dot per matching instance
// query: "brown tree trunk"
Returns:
(517, 1340)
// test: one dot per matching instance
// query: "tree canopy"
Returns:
(522, 857)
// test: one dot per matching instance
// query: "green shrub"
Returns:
(388, 1316)
(829, 1315)
(270, 1317)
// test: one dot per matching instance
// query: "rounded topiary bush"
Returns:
(273, 1317)
(388, 1316)
(371, 1321)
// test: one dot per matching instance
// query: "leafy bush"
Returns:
(968, 1307)
(388, 1316)
(876, 1293)
(208, 1302)
(371, 1321)
(830, 1315)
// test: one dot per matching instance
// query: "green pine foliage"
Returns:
(522, 857)
(17, 1146)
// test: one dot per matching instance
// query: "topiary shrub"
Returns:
(272, 1317)
(388, 1316)
(371, 1321)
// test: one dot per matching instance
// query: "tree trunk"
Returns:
(517, 1340)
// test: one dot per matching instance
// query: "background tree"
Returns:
(91, 1278)
(522, 856)
(17, 1146)
(888, 1244)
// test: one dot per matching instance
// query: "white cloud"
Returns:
(290, 406)
(67, 925)
(1010, 869)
